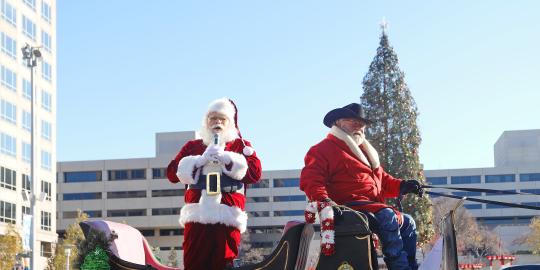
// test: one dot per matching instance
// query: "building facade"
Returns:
(136, 191)
(31, 22)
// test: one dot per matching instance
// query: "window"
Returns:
(8, 178)
(168, 192)
(46, 11)
(473, 206)
(46, 188)
(126, 213)
(90, 213)
(8, 145)
(148, 232)
(288, 213)
(25, 211)
(126, 194)
(46, 41)
(46, 130)
(529, 177)
(500, 178)
(8, 12)
(27, 89)
(81, 196)
(290, 198)
(263, 230)
(136, 174)
(29, 28)
(467, 194)
(170, 232)
(46, 100)
(465, 179)
(9, 78)
(46, 249)
(500, 194)
(46, 70)
(158, 173)
(30, 3)
(26, 183)
(46, 162)
(263, 183)
(9, 46)
(45, 221)
(532, 203)
(27, 121)
(165, 211)
(9, 111)
(26, 152)
(494, 206)
(257, 199)
(76, 177)
(292, 182)
(8, 212)
(258, 214)
(532, 191)
(437, 180)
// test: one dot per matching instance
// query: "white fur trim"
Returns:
(371, 152)
(327, 213)
(248, 151)
(209, 210)
(327, 237)
(186, 167)
(239, 166)
(223, 106)
(311, 207)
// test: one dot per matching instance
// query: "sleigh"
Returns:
(130, 250)
(353, 241)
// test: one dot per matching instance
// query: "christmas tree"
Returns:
(388, 101)
(96, 260)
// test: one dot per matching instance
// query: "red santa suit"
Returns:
(338, 169)
(212, 224)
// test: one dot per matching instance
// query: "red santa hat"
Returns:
(228, 108)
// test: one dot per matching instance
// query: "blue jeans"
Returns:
(398, 243)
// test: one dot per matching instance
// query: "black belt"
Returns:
(227, 183)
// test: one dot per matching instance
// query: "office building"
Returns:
(31, 22)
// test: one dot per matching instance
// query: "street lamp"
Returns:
(31, 55)
(67, 252)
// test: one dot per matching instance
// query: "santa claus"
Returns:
(213, 221)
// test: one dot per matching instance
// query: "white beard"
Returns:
(358, 138)
(228, 134)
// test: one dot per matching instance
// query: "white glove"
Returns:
(210, 154)
(224, 157)
(201, 161)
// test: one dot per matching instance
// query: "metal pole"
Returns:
(31, 54)
(68, 253)
(32, 171)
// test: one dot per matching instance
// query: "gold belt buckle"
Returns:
(213, 184)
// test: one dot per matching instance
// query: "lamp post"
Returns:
(67, 252)
(31, 56)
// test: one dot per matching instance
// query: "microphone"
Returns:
(216, 138)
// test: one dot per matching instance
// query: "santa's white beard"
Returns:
(358, 138)
(226, 135)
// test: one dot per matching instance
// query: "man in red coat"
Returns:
(213, 222)
(344, 169)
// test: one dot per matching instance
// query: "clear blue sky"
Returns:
(129, 69)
